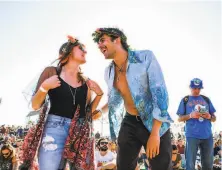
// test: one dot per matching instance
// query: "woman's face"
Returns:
(6, 153)
(78, 54)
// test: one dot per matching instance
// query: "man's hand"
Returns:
(206, 115)
(195, 115)
(153, 146)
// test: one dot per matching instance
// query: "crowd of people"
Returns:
(178, 153)
(11, 140)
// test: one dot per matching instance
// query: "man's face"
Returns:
(103, 145)
(195, 91)
(107, 47)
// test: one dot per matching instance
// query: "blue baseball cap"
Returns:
(196, 83)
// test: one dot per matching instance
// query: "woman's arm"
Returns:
(15, 163)
(95, 102)
(99, 93)
(45, 83)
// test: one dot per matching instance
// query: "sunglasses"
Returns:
(103, 143)
(82, 48)
(6, 154)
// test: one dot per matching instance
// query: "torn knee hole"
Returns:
(48, 143)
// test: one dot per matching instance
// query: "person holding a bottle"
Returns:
(197, 112)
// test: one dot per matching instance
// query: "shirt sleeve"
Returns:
(158, 90)
(212, 110)
(47, 72)
(181, 109)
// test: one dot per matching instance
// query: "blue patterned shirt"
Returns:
(148, 90)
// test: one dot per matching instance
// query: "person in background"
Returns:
(198, 112)
(176, 158)
(104, 158)
(180, 146)
(8, 158)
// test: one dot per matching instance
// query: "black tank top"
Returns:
(6, 164)
(61, 100)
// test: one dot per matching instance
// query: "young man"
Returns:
(104, 158)
(198, 113)
(137, 89)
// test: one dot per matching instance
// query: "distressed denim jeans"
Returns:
(206, 153)
(54, 137)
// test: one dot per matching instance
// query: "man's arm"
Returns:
(184, 118)
(160, 104)
(192, 115)
(213, 118)
(158, 91)
(109, 165)
(209, 116)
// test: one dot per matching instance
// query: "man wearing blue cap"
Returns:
(198, 113)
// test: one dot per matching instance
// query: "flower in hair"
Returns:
(72, 39)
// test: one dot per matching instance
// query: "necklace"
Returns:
(120, 69)
(73, 96)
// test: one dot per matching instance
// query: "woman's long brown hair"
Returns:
(64, 53)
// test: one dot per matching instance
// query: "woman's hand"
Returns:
(51, 83)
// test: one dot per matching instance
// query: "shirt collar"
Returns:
(132, 58)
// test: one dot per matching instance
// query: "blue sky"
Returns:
(185, 36)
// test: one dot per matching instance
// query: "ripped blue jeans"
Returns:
(53, 140)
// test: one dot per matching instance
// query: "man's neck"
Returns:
(120, 57)
(103, 153)
(195, 95)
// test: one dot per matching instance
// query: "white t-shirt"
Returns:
(102, 160)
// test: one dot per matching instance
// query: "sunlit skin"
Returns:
(195, 91)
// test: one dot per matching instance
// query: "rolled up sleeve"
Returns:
(158, 90)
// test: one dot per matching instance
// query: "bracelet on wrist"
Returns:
(43, 90)
(99, 94)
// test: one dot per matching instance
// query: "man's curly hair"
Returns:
(113, 33)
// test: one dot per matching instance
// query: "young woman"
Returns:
(66, 136)
(8, 158)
